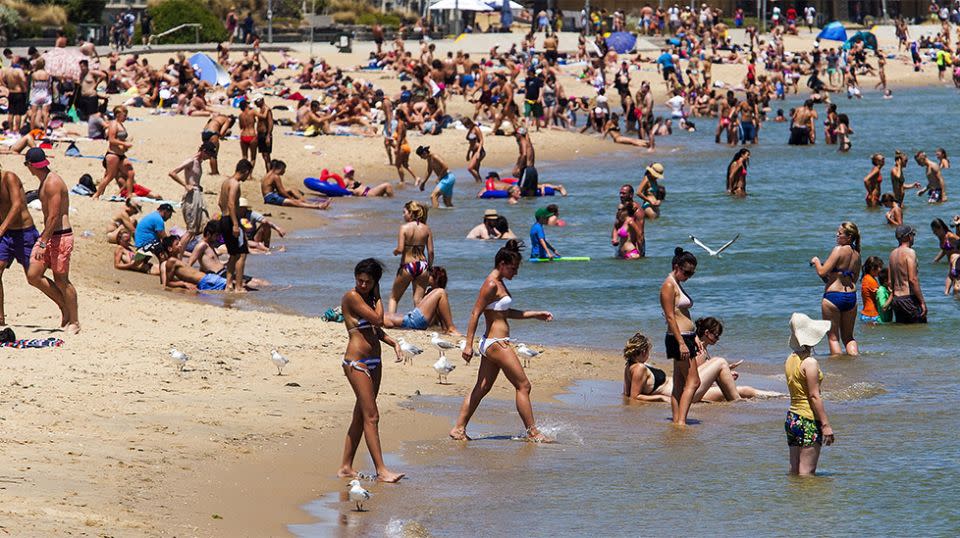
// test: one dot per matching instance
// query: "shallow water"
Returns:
(623, 470)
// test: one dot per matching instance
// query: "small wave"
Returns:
(857, 391)
(398, 528)
(562, 433)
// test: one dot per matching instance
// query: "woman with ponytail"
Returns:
(680, 341)
(839, 274)
(415, 248)
(496, 354)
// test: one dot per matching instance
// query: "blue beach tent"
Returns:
(835, 31)
(622, 42)
(209, 70)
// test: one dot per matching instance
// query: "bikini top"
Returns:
(362, 325)
(848, 274)
(500, 305)
(622, 232)
(684, 301)
(471, 136)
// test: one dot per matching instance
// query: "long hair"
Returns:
(850, 230)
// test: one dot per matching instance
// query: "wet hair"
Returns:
(371, 267)
(417, 210)
(850, 230)
(277, 164)
(887, 197)
(939, 223)
(899, 155)
(875, 158)
(628, 186)
(919, 153)
(244, 166)
(439, 275)
(212, 228)
(872, 262)
(708, 324)
(509, 254)
(843, 119)
(553, 208)
(501, 225)
(637, 346)
(883, 278)
(682, 257)
(736, 157)
(943, 152)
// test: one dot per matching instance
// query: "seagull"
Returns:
(179, 357)
(527, 354)
(441, 343)
(443, 368)
(358, 494)
(278, 360)
(462, 344)
(409, 350)
(709, 250)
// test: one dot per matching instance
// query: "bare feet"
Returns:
(534, 436)
(459, 434)
(390, 477)
(73, 328)
(346, 472)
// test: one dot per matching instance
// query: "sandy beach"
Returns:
(105, 436)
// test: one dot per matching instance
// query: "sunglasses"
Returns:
(688, 272)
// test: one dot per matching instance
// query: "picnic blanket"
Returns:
(33, 343)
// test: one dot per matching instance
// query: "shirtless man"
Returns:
(15, 81)
(87, 101)
(123, 220)
(528, 177)
(206, 255)
(908, 303)
(936, 187)
(248, 131)
(644, 103)
(192, 204)
(216, 128)
(386, 106)
(445, 178)
(749, 119)
(230, 229)
(54, 246)
(275, 193)
(801, 129)
(17, 236)
(176, 274)
(264, 130)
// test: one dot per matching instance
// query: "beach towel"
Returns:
(33, 343)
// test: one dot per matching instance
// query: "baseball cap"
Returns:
(166, 207)
(347, 170)
(244, 202)
(904, 231)
(36, 158)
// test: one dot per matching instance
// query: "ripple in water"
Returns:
(857, 391)
(398, 528)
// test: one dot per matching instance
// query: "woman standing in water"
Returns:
(949, 248)
(475, 152)
(494, 302)
(737, 173)
(839, 304)
(402, 160)
(630, 240)
(807, 426)
(363, 316)
(897, 180)
(649, 190)
(680, 341)
(873, 179)
(894, 214)
(415, 248)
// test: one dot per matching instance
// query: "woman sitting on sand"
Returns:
(123, 220)
(363, 317)
(433, 309)
(125, 256)
(648, 384)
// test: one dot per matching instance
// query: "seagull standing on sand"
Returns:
(179, 357)
(358, 494)
(441, 344)
(278, 360)
(709, 250)
(527, 354)
(443, 368)
(409, 350)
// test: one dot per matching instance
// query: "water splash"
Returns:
(563, 433)
(398, 528)
(856, 391)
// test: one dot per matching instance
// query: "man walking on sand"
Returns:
(230, 229)
(52, 250)
(17, 236)
(908, 303)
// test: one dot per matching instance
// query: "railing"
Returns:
(196, 27)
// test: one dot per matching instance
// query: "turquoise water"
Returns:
(622, 470)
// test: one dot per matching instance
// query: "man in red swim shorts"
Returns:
(52, 250)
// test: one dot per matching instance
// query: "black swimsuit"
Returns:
(659, 377)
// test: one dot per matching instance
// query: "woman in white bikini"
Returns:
(496, 354)
(475, 153)
(680, 341)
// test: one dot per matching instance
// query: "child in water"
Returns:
(884, 298)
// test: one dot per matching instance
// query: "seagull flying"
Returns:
(527, 354)
(440, 342)
(409, 350)
(358, 494)
(443, 368)
(709, 250)
(179, 357)
(278, 360)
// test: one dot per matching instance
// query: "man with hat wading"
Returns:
(52, 250)
(908, 303)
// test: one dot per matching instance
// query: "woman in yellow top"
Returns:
(807, 425)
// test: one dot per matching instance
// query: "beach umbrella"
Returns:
(462, 5)
(64, 62)
(869, 40)
(208, 70)
(498, 4)
(622, 42)
(835, 31)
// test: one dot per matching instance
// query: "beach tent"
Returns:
(622, 42)
(462, 5)
(869, 40)
(835, 31)
(209, 70)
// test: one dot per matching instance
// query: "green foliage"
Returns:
(389, 20)
(85, 10)
(172, 13)
(9, 21)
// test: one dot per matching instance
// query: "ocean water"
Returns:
(623, 470)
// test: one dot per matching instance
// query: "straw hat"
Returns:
(655, 170)
(490, 214)
(805, 331)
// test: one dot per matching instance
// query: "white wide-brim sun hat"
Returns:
(805, 331)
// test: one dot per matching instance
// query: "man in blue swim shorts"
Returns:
(275, 193)
(445, 178)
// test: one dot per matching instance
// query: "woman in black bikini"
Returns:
(737, 173)
(363, 317)
(475, 153)
(116, 165)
